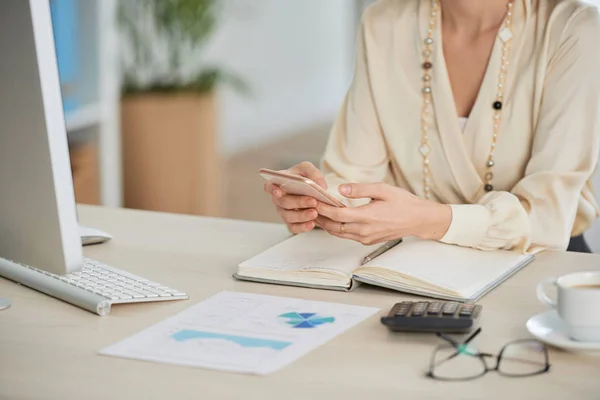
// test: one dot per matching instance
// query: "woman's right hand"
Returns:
(298, 212)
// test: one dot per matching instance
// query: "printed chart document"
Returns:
(240, 332)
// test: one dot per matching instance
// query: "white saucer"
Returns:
(549, 328)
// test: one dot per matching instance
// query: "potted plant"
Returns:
(170, 149)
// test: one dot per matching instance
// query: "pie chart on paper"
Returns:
(306, 320)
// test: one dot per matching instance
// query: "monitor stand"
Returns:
(4, 304)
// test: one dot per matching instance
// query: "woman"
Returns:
(474, 123)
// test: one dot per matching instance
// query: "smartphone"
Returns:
(300, 186)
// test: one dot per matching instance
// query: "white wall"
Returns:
(297, 57)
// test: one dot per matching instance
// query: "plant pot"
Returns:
(171, 161)
(86, 174)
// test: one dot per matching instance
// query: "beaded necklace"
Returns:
(506, 35)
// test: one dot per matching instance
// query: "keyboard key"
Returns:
(153, 290)
(149, 294)
(128, 286)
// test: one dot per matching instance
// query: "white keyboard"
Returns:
(95, 287)
(116, 285)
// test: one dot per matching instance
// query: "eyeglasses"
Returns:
(460, 362)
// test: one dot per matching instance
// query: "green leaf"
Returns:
(158, 34)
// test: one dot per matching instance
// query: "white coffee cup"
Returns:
(578, 303)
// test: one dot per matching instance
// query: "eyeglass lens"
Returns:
(523, 358)
(451, 364)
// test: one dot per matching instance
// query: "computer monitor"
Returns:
(38, 217)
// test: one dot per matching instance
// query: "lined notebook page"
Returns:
(457, 268)
(316, 250)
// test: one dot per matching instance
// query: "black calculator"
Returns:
(432, 316)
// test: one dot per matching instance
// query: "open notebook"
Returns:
(427, 268)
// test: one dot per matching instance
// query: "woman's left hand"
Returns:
(392, 214)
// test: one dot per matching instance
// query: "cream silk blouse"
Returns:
(549, 140)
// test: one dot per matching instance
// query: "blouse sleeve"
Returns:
(356, 151)
(540, 211)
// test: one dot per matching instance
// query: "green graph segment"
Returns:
(305, 320)
(321, 321)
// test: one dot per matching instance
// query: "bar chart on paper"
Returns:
(239, 332)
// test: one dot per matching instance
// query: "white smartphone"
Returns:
(300, 186)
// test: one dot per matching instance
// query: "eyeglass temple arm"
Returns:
(473, 336)
(448, 339)
(454, 342)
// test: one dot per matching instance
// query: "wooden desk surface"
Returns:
(48, 349)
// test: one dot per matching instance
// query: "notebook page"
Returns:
(316, 250)
(459, 269)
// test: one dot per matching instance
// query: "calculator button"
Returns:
(467, 310)
(450, 308)
(402, 309)
(435, 308)
(417, 313)
(419, 309)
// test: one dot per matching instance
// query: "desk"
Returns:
(48, 349)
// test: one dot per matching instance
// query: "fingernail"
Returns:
(314, 214)
(277, 193)
(345, 190)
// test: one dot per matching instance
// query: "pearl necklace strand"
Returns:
(506, 36)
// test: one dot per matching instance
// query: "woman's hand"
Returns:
(392, 214)
(298, 212)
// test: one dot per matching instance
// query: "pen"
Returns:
(380, 251)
